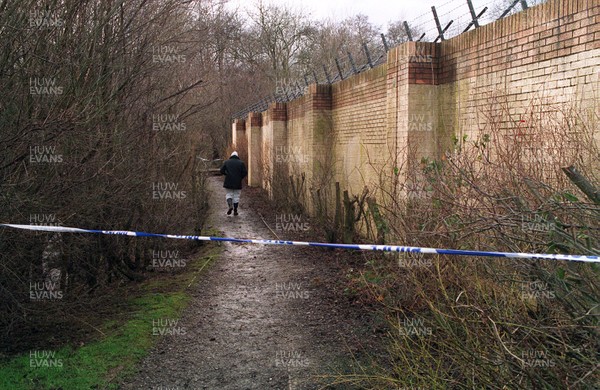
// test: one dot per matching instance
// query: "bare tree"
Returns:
(102, 101)
(396, 33)
(278, 34)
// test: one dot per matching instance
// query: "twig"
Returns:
(502, 343)
(267, 225)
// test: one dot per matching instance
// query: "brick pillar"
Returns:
(254, 137)
(318, 154)
(423, 109)
(238, 132)
(274, 146)
(412, 112)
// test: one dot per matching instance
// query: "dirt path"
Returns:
(260, 318)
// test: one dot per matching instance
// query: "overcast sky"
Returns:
(380, 12)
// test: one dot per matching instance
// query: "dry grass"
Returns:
(493, 323)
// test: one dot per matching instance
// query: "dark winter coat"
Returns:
(234, 170)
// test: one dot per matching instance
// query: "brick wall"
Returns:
(373, 127)
(550, 51)
(359, 121)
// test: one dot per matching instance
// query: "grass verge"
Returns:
(102, 363)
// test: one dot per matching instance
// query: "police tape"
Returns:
(367, 247)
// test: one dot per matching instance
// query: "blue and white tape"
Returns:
(367, 247)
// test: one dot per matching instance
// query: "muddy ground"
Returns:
(264, 317)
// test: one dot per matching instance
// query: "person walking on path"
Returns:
(235, 171)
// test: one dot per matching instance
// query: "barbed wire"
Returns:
(344, 66)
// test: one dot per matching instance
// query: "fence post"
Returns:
(473, 16)
(439, 26)
(368, 55)
(385, 44)
(437, 23)
(410, 38)
(339, 68)
(506, 11)
(298, 90)
(352, 62)
(326, 74)
(524, 5)
(478, 16)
